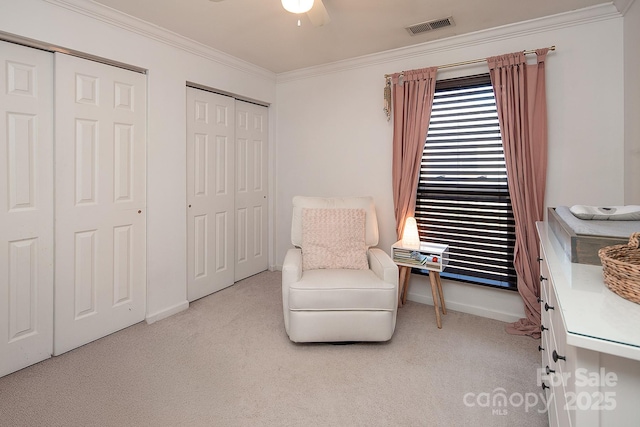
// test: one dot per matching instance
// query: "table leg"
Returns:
(434, 286)
(444, 308)
(401, 284)
(400, 279)
(405, 286)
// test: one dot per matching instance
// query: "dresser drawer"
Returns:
(560, 380)
(551, 310)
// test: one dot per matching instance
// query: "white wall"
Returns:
(171, 62)
(333, 138)
(632, 103)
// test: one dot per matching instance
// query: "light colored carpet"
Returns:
(227, 361)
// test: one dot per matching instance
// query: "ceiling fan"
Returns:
(315, 10)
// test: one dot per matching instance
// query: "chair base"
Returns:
(341, 326)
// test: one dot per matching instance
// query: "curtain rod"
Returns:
(472, 61)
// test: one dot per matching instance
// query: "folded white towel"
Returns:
(612, 213)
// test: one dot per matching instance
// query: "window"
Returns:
(463, 197)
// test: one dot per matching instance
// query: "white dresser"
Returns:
(590, 344)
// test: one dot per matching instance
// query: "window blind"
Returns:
(463, 195)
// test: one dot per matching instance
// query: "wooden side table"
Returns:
(430, 256)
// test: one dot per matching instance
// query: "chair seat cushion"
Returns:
(341, 289)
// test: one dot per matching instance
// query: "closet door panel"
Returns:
(26, 210)
(100, 204)
(251, 189)
(210, 192)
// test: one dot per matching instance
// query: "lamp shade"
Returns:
(297, 6)
(410, 235)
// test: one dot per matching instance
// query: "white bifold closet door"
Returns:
(26, 213)
(100, 200)
(251, 189)
(226, 191)
(210, 192)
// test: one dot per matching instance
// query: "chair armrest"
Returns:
(291, 273)
(383, 266)
(292, 267)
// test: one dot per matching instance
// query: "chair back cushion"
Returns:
(333, 239)
(366, 203)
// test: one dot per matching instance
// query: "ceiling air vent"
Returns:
(423, 27)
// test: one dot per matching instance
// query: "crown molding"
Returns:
(129, 23)
(540, 25)
(623, 5)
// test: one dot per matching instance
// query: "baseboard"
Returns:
(163, 314)
(467, 308)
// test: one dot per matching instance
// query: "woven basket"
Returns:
(621, 268)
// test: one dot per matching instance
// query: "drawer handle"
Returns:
(542, 278)
(547, 307)
(557, 357)
(540, 348)
(549, 370)
(539, 299)
(542, 328)
(544, 386)
(540, 259)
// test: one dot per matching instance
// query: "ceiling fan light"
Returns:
(297, 6)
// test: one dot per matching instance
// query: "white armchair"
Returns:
(349, 303)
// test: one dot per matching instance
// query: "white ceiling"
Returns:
(261, 32)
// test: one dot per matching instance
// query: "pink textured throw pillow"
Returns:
(334, 238)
